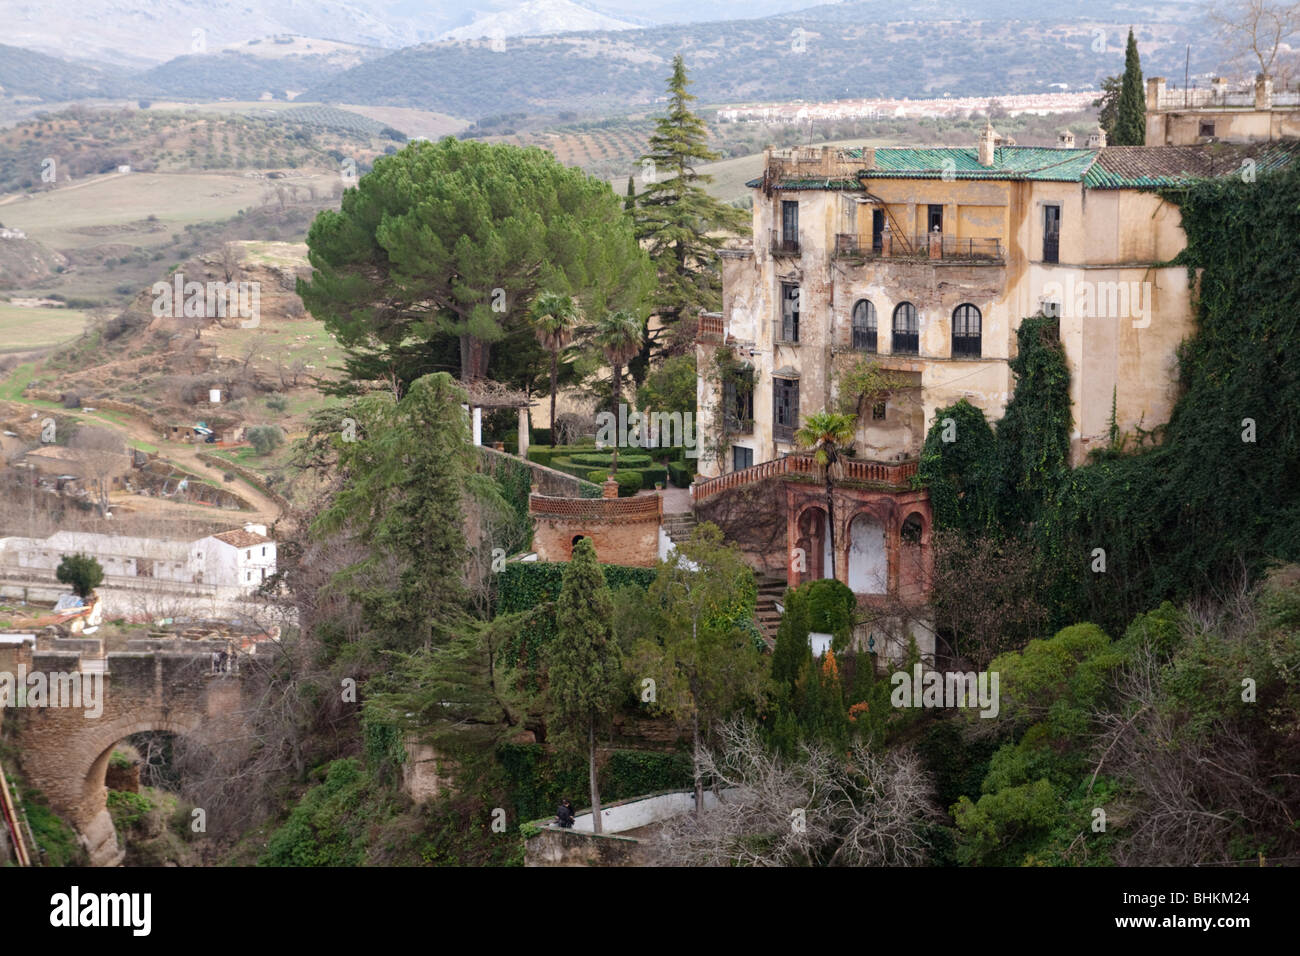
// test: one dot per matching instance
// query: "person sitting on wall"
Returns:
(564, 815)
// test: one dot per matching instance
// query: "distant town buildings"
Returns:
(875, 109)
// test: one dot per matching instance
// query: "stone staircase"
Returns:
(766, 614)
(679, 526)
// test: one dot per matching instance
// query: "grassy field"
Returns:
(23, 328)
(116, 209)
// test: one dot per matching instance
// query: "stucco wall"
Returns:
(1108, 237)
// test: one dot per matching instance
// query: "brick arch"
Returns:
(101, 743)
(65, 753)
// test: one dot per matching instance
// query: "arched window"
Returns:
(966, 331)
(864, 326)
(907, 339)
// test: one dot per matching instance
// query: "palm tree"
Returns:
(828, 434)
(554, 317)
(618, 336)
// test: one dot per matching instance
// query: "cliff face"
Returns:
(24, 261)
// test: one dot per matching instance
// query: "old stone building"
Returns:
(919, 264)
(1246, 114)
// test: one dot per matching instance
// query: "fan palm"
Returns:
(554, 317)
(828, 434)
(619, 336)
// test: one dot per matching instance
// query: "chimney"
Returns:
(868, 157)
(1263, 91)
(988, 140)
(1065, 140)
(1155, 92)
(1097, 138)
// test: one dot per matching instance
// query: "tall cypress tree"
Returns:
(585, 663)
(1131, 118)
(629, 203)
(678, 220)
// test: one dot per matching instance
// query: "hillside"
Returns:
(26, 73)
(838, 51)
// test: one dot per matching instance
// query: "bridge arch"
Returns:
(65, 752)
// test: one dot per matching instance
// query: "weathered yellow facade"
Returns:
(1218, 114)
(944, 230)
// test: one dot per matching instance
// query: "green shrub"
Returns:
(603, 459)
(629, 482)
(681, 473)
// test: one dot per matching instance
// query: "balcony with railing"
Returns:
(783, 245)
(930, 246)
(785, 331)
(851, 470)
(712, 328)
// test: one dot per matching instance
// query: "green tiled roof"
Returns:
(1110, 167)
(1009, 162)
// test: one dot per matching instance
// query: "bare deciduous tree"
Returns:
(1254, 31)
(868, 809)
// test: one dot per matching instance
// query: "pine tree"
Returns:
(1108, 105)
(1131, 114)
(677, 220)
(585, 663)
(403, 498)
(791, 643)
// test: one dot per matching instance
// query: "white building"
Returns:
(241, 559)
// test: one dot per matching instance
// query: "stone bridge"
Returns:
(153, 686)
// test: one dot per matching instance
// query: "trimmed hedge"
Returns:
(629, 482)
(603, 459)
(544, 454)
(681, 473)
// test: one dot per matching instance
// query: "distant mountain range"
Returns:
(835, 51)
(537, 17)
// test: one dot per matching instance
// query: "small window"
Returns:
(911, 529)
(741, 457)
(864, 326)
(966, 331)
(878, 412)
(785, 411)
(1207, 129)
(789, 331)
(264, 552)
(934, 219)
(248, 555)
(1052, 233)
(248, 575)
(907, 339)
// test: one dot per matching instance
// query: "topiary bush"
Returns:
(629, 482)
(604, 459)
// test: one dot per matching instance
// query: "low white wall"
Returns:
(640, 813)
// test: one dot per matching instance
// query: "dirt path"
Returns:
(184, 456)
(80, 185)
